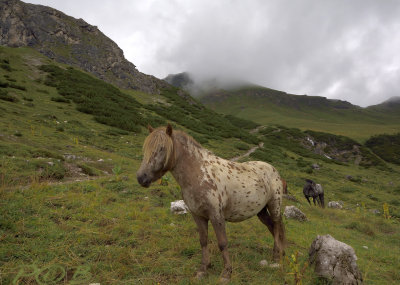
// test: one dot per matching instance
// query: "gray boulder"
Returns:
(335, 204)
(334, 260)
(292, 212)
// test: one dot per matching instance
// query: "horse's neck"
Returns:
(189, 158)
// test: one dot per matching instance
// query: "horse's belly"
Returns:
(244, 205)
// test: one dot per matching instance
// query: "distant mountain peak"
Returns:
(181, 80)
(394, 99)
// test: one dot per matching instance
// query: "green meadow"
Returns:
(72, 212)
(318, 115)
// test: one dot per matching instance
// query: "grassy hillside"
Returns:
(386, 146)
(266, 106)
(71, 209)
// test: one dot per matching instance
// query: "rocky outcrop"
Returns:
(334, 260)
(70, 41)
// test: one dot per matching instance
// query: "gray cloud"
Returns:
(335, 48)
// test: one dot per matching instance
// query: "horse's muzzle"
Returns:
(144, 180)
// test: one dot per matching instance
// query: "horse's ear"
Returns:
(150, 128)
(169, 130)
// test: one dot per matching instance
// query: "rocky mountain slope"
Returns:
(70, 41)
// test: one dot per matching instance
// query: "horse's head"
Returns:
(158, 152)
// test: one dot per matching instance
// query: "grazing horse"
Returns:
(215, 189)
(311, 189)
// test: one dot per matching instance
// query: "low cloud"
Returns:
(336, 48)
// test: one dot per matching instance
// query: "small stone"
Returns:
(335, 204)
(179, 207)
(375, 211)
(315, 166)
(274, 265)
(100, 160)
(50, 163)
(263, 263)
(364, 246)
(146, 198)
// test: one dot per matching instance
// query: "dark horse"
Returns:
(315, 191)
(215, 189)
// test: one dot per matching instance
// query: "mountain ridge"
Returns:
(71, 41)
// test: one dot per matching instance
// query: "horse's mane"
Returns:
(186, 138)
(158, 138)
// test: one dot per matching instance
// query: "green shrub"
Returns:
(241, 146)
(116, 132)
(6, 97)
(105, 102)
(3, 84)
(386, 146)
(241, 123)
(27, 99)
(44, 91)
(16, 86)
(6, 67)
(60, 100)
(89, 170)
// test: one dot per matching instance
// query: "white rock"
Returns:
(292, 212)
(274, 265)
(335, 204)
(364, 246)
(334, 260)
(179, 207)
(263, 263)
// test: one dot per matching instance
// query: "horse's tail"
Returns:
(284, 185)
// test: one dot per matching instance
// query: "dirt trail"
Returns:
(253, 149)
(250, 151)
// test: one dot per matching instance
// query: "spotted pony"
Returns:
(215, 189)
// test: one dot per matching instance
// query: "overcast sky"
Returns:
(343, 49)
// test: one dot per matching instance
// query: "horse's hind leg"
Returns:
(202, 226)
(321, 198)
(218, 223)
(266, 219)
(274, 209)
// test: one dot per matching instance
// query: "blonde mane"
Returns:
(154, 142)
(158, 138)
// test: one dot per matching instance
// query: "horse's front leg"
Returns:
(314, 200)
(202, 227)
(219, 228)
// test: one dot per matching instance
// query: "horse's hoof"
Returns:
(201, 274)
(223, 280)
